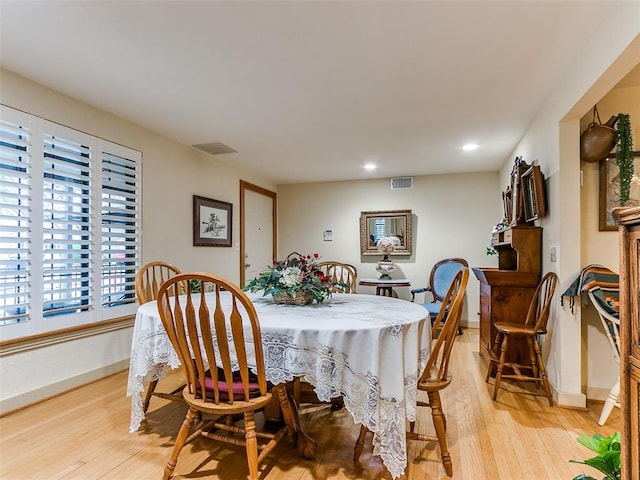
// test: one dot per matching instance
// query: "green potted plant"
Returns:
(607, 459)
(624, 156)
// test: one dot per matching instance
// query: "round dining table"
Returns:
(368, 349)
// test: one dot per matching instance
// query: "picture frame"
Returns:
(610, 191)
(533, 194)
(212, 222)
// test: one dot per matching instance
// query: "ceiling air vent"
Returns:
(401, 183)
(216, 148)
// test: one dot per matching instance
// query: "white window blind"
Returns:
(70, 218)
(15, 243)
(66, 224)
(120, 229)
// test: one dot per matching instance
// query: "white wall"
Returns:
(171, 174)
(553, 141)
(452, 217)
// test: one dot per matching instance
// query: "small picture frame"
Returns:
(533, 194)
(212, 221)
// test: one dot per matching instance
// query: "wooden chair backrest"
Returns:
(150, 277)
(233, 337)
(540, 306)
(437, 367)
(442, 274)
(340, 272)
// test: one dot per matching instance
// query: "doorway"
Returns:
(258, 230)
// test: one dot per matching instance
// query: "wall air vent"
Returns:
(401, 183)
(216, 148)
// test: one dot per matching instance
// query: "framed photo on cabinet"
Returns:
(212, 220)
(533, 194)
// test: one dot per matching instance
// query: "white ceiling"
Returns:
(310, 90)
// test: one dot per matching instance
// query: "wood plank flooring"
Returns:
(83, 435)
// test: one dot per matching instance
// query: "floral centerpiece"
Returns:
(295, 280)
(387, 245)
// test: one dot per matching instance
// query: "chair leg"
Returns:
(611, 401)
(503, 355)
(147, 396)
(543, 373)
(251, 444)
(532, 357)
(180, 441)
(439, 422)
(357, 451)
(495, 349)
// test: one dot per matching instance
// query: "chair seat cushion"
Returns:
(223, 388)
(433, 308)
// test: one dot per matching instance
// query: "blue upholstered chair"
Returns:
(442, 274)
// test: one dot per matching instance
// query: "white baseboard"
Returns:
(29, 398)
(598, 393)
(569, 399)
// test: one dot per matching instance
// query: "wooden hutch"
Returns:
(506, 291)
(629, 221)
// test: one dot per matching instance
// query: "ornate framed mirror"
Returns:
(386, 223)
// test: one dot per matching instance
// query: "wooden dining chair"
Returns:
(340, 272)
(219, 381)
(435, 375)
(147, 283)
(534, 325)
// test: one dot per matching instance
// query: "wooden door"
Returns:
(258, 236)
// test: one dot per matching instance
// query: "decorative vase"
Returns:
(299, 298)
(598, 139)
(385, 268)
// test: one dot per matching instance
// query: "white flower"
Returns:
(290, 276)
(388, 244)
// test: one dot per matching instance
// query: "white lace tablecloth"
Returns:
(368, 349)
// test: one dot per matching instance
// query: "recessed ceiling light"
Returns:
(370, 166)
(469, 147)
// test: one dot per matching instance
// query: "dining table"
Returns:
(368, 349)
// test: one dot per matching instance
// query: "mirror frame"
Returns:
(366, 249)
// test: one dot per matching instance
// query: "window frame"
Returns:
(37, 324)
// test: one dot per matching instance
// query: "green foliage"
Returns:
(624, 156)
(194, 286)
(607, 459)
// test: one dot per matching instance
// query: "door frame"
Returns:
(244, 186)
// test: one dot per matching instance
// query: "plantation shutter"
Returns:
(15, 222)
(120, 228)
(66, 226)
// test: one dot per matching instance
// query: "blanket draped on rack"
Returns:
(603, 283)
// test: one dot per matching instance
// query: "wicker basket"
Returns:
(300, 298)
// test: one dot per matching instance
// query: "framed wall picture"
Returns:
(533, 194)
(610, 191)
(212, 220)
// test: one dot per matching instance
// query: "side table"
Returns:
(384, 286)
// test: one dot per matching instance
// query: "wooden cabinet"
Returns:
(629, 220)
(506, 291)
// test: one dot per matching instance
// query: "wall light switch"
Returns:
(554, 253)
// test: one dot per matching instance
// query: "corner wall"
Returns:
(553, 141)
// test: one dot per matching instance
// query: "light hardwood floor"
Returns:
(84, 435)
